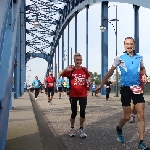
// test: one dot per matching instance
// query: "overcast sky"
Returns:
(125, 29)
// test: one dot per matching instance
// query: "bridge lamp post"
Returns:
(103, 28)
(64, 58)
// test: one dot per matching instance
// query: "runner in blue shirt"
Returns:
(130, 64)
(93, 88)
(36, 85)
(68, 86)
(59, 83)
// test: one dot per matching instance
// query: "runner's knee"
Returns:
(82, 113)
(74, 113)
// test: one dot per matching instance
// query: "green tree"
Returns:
(95, 77)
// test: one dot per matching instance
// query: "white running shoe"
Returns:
(72, 132)
(35, 99)
(132, 119)
(82, 133)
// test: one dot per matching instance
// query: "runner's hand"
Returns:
(98, 89)
(144, 78)
(69, 68)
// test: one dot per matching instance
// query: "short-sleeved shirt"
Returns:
(108, 83)
(130, 68)
(50, 81)
(59, 82)
(36, 83)
(64, 84)
(78, 83)
(93, 86)
(67, 81)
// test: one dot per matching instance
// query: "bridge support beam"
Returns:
(104, 44)
(68, 44)
(22, 46)
(52, 64)
(58, 57)
(17, 70)
(136, 27)
(55, 65)
(62, 49)
(87, 8)
(76, 32)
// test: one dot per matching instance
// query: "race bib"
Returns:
(136, 89)
(50, 84)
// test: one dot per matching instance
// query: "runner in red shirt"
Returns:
(78, 77)
(50, 83)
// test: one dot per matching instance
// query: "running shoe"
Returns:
(82, 133)
(72, 132)
(142, 146)
(120, 137)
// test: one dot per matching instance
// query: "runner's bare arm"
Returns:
(61, 73)
(143, 70)
(44, 83)
(110, 72)
(108, 75)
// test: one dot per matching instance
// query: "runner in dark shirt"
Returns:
(108, 88)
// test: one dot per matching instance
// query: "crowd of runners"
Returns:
(77, 84)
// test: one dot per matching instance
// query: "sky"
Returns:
(125, 28)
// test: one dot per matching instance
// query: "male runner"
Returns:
(130, 64)
(59, 83)
(50, 83)
(93, 88)
(36, 84)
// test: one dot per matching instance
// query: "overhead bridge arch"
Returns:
(73, 7)
(78, 5)
(47, 57)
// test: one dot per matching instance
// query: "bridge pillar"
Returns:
(104, 44)
(52, 63)
(55, 65)
(62, 49)
(68, 43)
(58, 57)
(4, 62)
(87, 8)
(22, 46)
(17, 69)
(136, 27)
(76, 32)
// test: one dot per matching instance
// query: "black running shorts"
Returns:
(127, 95)
(82, 102)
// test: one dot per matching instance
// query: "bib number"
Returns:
(50, 84)
(136, 89)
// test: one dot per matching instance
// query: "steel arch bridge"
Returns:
(44, 41)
